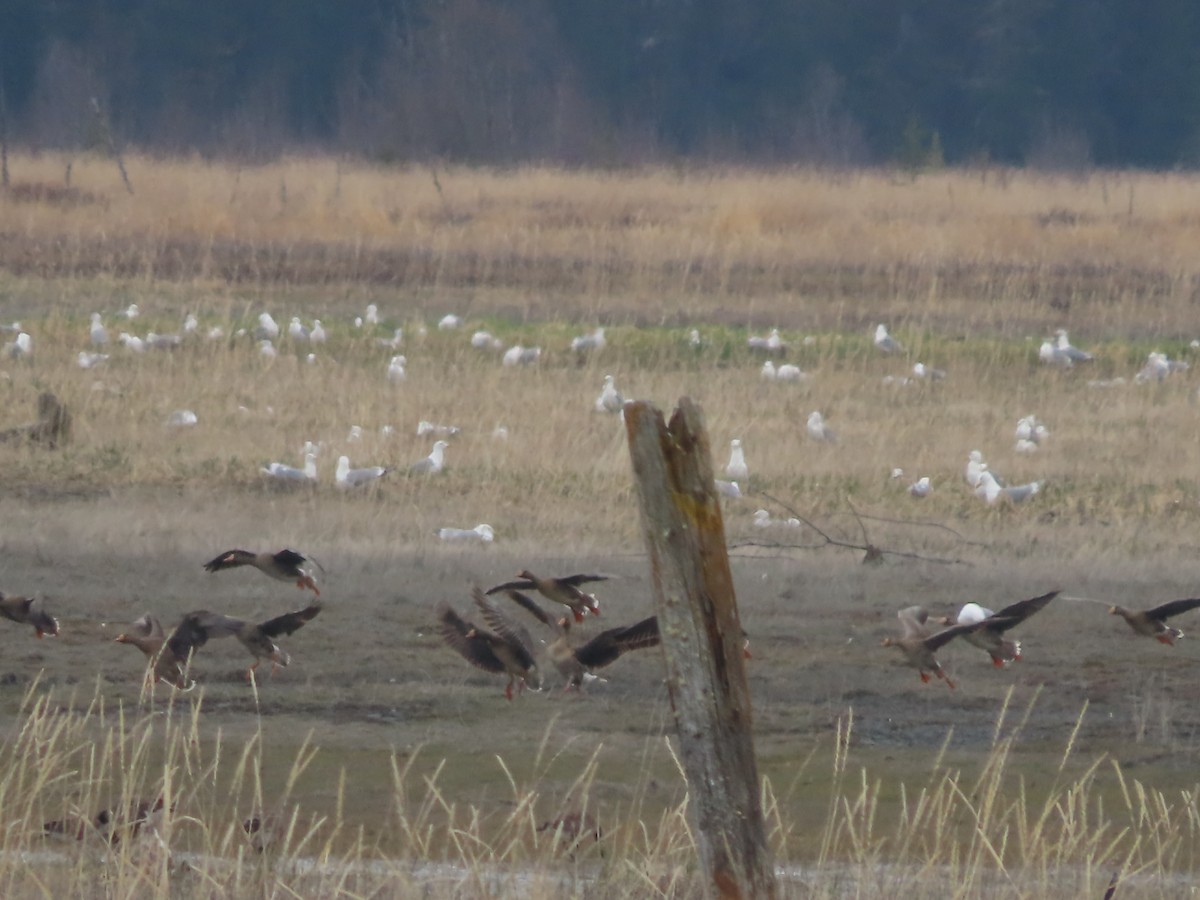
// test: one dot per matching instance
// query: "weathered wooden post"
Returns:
(702, 641)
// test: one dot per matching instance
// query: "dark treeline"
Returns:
(1054, 83)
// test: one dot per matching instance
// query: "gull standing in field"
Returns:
(296, 330)
(449, 322)
(395, 369)
(190, 324)
(267, 349)
(990, 490)
(819, 430)
(785, 372)
(289, 474)
(99, 334)
(182, 418)
(317, 334)
(610, 399)
(21, 347)
(772, 343)
(1158, 367)
(586, 342)
(920, 370)
(921, 487)
(736, 469)
(372, 317)
(131, 311)
(728, 489)
(1062, 345)
(394, 341)
(884, 342)
(267, 328)
(523, 356)
(346, 477)
(424, 428)
(131, 342)
(88, 360)
(975, 467)
(484, 340)
(481, 532)
(1030, 434)
(433, 463)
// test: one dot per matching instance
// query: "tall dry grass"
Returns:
(959, 833)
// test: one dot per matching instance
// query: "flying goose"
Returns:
(563, 590)
(919, 647)
(286, 565)
(507, 650)
(990, 635)
(575, 664)
(258, 638)
(29, 611)
(1153, 622)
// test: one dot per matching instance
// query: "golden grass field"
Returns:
(400, 768)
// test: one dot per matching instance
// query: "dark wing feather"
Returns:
(228, 560)
(290, 558)
(577, 580)
(462, 636)
(946, 635)
(1172, 608)
(523, 585)
(607, 646)
(534, 608)
(502, 625)
(1016, 613)
(15, 609)
(290, 622)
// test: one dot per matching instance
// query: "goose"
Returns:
(258, 637)
(286, 565)
(506, 650)
(563, 590)
(163, 664)
(990, 637)
(29, 611)
(919, 647)
(1153, 622)
(575, 664)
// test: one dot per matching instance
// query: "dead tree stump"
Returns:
(702, 645)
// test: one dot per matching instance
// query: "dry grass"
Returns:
(959, 833)
(1110, 254)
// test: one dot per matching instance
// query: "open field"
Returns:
(1039, 780)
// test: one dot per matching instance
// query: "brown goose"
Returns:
(29, 611)
(575, 664)
(163, 665)
(1153, 622)
(286, 565)
(990, 635)
(563, 590)
(197, 627)
(919, 647)
(507, 650)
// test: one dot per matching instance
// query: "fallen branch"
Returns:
(871, 552)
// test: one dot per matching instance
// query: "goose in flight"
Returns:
(563, 590)
(286, 565)
(506, 650)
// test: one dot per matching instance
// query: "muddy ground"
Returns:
(370, 678)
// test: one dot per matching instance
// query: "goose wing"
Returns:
(290, 622)
(1172, 608)
(607, 646)
(466, 640)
